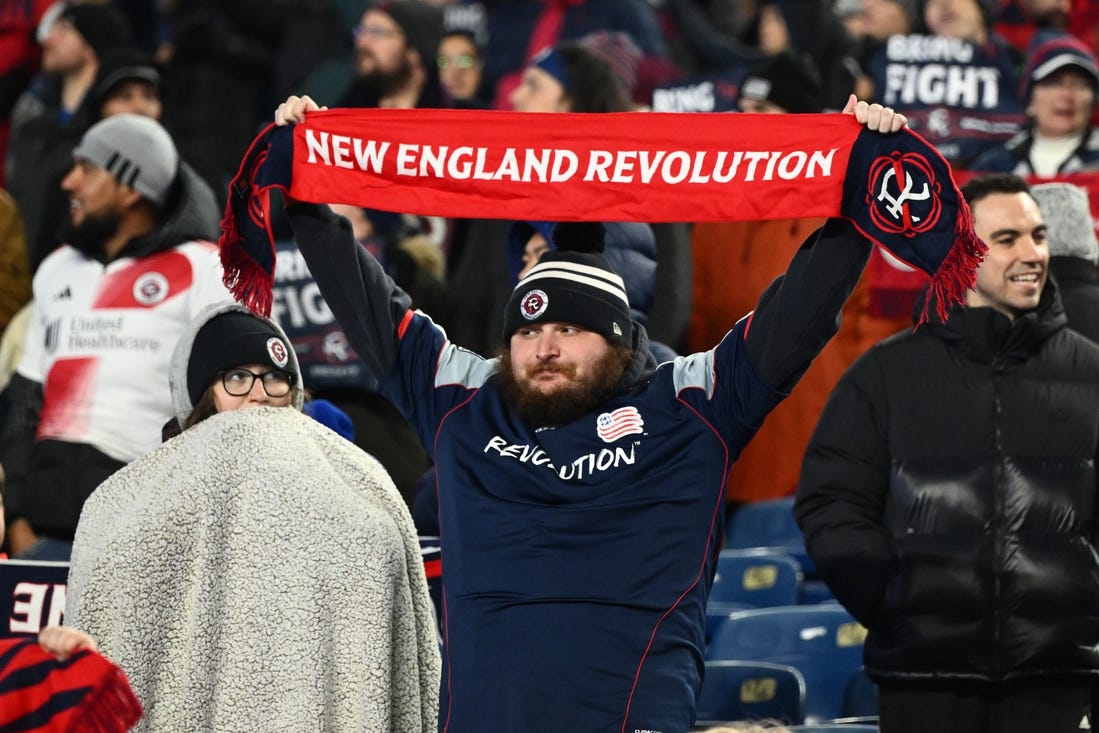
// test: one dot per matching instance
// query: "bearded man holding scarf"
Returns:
(581, 487)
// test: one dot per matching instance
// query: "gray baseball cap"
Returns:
(134, 149)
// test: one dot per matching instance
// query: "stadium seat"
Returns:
(751, 691)
(756, 578)
(769, 524)
(823, 642)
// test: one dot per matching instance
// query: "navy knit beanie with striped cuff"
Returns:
(573, 284)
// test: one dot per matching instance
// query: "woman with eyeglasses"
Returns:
(236, 360)
(257, 571)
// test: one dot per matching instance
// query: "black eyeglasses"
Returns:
(238, 382)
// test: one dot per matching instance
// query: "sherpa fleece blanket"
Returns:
(259, 573)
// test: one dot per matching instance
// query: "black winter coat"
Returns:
(1079, 285)
(948, 498)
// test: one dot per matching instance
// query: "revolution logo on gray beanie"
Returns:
(134, 149)
(573, 284)
(1069, 228)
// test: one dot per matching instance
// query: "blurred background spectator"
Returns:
(1060, 84)
(461, 68)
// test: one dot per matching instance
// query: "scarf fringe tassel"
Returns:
(957, 272)
(111, 707)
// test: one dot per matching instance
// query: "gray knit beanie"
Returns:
(1070, 229)
(134, 149)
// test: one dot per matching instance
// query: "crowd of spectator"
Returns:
(122, 123)
(1007, 86)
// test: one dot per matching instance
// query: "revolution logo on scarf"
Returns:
(630, 166)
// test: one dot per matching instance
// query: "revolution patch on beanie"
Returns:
(233, 339)
(134, 149)
(573, 284)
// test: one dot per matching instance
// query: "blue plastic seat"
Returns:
(756, 578)
(751, 691)
(769, 524)
(822, 642)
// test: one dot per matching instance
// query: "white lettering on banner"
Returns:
(301, 305)
(693, 98)
(555, 165)
(929, 48)
(586, 465)
(970, 87)
(290, 265)
(368, 156)
(28, 603)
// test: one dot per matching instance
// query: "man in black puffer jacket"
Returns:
(948, 498)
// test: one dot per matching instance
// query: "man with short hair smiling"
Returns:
(948, 498)
(580, 486)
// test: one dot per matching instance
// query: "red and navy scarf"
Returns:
(84, 694)
(649, 167)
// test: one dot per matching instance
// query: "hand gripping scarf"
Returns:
(84, 694)
(629, 166)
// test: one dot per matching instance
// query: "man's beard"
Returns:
(566, 402)
(92, 233)
(382, 83)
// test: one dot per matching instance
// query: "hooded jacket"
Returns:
(948, 498)
(91, 391)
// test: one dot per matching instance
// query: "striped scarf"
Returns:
(86, 693)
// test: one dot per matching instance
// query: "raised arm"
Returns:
(366, 302)
(798, 314)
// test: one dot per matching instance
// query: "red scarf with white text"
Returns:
(628, 166)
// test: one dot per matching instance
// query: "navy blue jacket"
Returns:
(578, 559)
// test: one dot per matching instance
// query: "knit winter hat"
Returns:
(422, 25)
(552, 61)
(618, 50)
(134, 149)
(785, 81)
(573, 284)
(1070, 231)
(230, 340)
(123, 64)
(102, 25)
(1054, 54)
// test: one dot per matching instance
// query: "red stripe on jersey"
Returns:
(67, 398)
(146, 283)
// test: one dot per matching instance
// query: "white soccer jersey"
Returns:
(101, 340)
